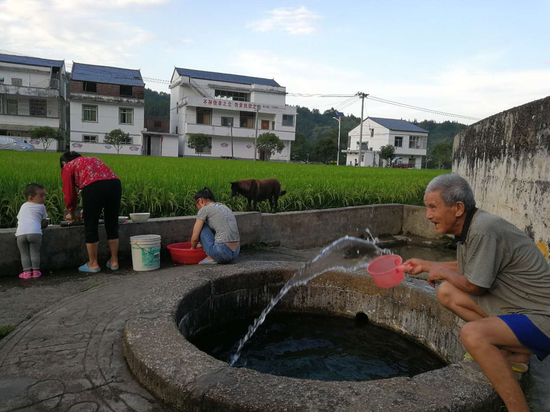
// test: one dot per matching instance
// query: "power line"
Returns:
(422, 109)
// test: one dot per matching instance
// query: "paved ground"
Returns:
(65, 354)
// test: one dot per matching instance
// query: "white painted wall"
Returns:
(170, 146)
(185, 98)
(108, 120)
(31, 76)
(382, 136)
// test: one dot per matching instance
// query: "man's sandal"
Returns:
(516, 366)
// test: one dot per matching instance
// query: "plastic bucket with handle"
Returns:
(387, 271)
(145, 252)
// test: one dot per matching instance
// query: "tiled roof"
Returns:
(224, 77)
(30, 61)
(398, 125)
(106, 74)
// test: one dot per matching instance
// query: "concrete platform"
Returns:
(66, 351)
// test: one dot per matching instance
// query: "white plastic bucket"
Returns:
(145, 252)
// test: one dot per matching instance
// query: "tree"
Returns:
(199, 141)
(268, 144)
(387, 152)
(325, 149)
(46, 135)
(300, 147)
(117, 138)
(442, 154)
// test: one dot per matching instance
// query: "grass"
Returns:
(165, 186)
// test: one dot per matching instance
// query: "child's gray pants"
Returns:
(29, 247)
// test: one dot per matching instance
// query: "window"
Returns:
(89, 113)
(12, 106)
(265, 124)
(416, 142)
(273, 125)
(204, 116)
(158, 123)
(247, 119)
(288, 120)
(1, 80)
(398, 141)
(371, 132)
(236, 96)
(125, 116)
(89, 138)
(128, 140)
(38, 107)
(90, 87)
(126, 90)
(412, 161)
(16, 82)
(227, 121)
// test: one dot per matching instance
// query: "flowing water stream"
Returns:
(345, 254)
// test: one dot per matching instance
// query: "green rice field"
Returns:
(165, 186)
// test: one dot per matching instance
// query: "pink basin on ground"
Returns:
(182, 253)
(387, 271)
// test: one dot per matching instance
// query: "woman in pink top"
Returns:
(101, 192)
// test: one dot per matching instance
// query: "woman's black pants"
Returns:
(103, 195)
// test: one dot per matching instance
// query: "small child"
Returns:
(30, 222)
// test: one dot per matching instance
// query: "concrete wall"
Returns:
(506, 159)
(64, 247)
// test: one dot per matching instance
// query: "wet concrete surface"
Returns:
(65, 353)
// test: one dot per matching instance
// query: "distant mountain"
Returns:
(440, 132)
(157, 104)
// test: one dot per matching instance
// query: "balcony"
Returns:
(225, 131)
(8, 89)
(102, 98)
(225, 104)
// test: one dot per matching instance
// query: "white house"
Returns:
(409, 140)
(103, 99)
(33, 93)
(232, 110)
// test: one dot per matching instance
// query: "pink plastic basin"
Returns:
(387, 270)
(182, 253)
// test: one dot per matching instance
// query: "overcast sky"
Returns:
(473, 58)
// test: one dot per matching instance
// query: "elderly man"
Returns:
(500, 285)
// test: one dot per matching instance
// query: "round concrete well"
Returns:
(173, 369)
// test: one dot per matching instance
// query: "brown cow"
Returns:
(258, 191)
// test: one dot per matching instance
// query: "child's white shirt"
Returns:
(29, 219)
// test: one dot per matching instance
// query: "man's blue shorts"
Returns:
(528, 334)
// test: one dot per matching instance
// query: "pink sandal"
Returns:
(27, 274)
(36, 274)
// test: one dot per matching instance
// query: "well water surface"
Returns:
(345, 254)
(318, 347)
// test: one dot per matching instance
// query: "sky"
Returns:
(471, 58)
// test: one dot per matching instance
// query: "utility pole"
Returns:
(231, 124)
(256, 135)
(362, 96)
(338, 153)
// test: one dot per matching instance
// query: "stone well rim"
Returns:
(157, 353)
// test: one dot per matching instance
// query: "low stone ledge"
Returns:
(64, 247)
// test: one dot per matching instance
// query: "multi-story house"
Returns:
(232, 110)
(33, 93)
(409, 140)
(103, 99)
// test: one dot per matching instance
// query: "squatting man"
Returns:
(499, 285)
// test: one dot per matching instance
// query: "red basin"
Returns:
(182, 253)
